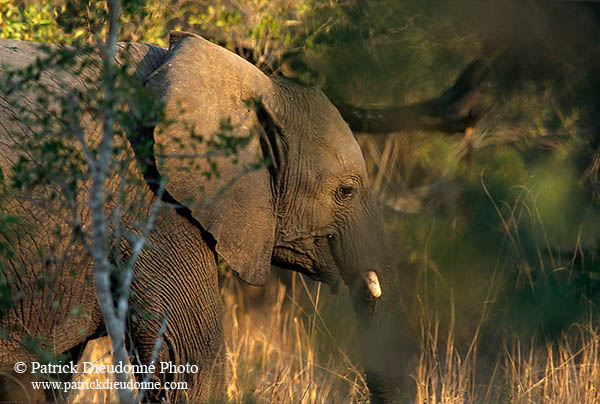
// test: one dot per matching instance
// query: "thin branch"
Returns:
(75, 127)
(136, 251)
(99, 168)
(155, 350)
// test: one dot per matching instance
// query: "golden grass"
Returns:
(281, 349)
(98, 352)
(279, 361)
(566, 371)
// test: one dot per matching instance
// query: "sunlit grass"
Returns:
(563, 372)
(275, 358)
(280, 350)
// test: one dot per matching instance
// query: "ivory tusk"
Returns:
(373, 285)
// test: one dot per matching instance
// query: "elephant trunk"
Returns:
(364, 256)
(386, 345)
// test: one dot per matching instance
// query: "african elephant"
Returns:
(311, 210)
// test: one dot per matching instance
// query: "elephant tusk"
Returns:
(372, 282)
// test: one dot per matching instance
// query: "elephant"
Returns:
(309, 210)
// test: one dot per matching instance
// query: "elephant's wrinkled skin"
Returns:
(313, 212)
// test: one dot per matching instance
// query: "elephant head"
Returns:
(310, 210)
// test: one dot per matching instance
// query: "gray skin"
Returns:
(313, 212)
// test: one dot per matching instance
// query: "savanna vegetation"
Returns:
(486, 160)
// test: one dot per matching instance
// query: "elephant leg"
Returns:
(178, 278)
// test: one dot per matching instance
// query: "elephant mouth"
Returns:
(363, 285)
(294, 260)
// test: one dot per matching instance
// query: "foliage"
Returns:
(75, 110)
(73, 114)
(512, 207)
(31, 21)
(507, 217)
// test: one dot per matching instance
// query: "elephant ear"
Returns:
(203, 85)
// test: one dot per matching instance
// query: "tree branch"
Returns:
(155, 351)
(112, 313)
(453, 111)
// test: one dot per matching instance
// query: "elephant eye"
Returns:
(347, 191)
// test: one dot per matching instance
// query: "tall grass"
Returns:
(281, 349)
(275, 357)
(563, 372)
(292, 341)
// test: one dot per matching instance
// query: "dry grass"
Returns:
(566, 372)
(281, 350)
(556, 372)
(279, 361)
